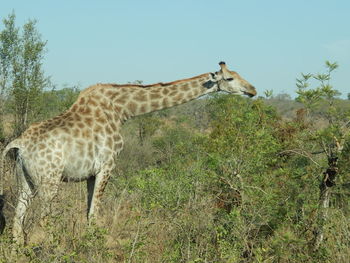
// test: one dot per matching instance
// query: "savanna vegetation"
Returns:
(219, 179)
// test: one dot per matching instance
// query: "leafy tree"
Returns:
(22, 76)
(9, 41)
(56, 101)
(242, 153)
(268, 94)
(330, 139)
(29, 79)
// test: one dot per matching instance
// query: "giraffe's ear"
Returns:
(209, 84)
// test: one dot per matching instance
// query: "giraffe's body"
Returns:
(82, 143)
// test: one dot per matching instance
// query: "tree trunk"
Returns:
(328, 181)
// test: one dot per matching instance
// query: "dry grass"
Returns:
(125, 232)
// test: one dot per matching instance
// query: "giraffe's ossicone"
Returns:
(82, 143)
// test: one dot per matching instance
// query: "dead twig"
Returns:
(302, 153)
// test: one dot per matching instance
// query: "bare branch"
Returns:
(301, 153)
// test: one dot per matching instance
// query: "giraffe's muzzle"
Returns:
(250, 91)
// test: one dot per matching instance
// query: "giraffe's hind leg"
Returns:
(26, 194)
(90, 192)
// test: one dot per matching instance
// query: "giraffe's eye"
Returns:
(229, 79)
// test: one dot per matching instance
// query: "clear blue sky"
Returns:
(268, 42)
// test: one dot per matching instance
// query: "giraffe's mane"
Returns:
(161, 84)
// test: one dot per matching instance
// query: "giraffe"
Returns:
(82, 143)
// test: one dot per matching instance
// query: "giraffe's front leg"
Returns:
(47, 193)
(96, 186)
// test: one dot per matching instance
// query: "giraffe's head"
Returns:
(232, 82)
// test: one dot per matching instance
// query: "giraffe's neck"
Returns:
(133, 100)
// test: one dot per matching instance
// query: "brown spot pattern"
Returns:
(140, 96)
(132, 107)
(155, 105)
(179, 97)
(173, 93)
(166, 103)
(165, 91)
(155, 96)
(88, 121)
(185, 87)
(143, 108)
(108, 129)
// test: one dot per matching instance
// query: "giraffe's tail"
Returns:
(12, 145)
(15, 144)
